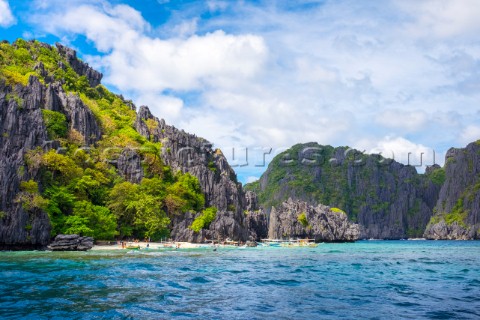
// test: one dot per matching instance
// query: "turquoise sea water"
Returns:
(367, 279)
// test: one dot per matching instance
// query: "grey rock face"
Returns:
(388, 199)
(459, 196)
(257, 221)
(71, 242)
(94, 77)
(181, 231)
(228, 224)
(323, 223)
(257, 224)
(143, 114)
(251, 201)
(79, 116)
(129, 166)
(225, 226)
(442, 231)
(188, 153)
(22, 129)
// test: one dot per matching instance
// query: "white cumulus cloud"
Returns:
(252, 179)
(443, 19)
(470, 134)
(398, 76)
(404, 151)
(6, 17)
(146, 66)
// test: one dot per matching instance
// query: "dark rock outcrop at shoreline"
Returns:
(71, 242)
(443, 231)
(298, 219)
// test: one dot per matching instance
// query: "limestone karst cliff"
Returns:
(457, 211)
(387, 199)
(76, 158)
(74, 141)
(189, 153)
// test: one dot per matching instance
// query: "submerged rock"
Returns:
(71, 242)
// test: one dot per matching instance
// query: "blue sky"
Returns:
(395, 77)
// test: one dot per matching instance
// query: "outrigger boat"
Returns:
(300, 243)
(289, 243)
(273, 242)
(133, 247)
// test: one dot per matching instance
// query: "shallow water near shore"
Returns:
(367, 279)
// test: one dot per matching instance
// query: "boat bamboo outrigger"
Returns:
(289, 243)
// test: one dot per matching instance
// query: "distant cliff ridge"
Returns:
(387, 199)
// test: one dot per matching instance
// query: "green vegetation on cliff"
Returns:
(302, 218)
(204, 219)
(78, 185)
(56, 124)
(386, 195)
(457, 212)
(314, 173)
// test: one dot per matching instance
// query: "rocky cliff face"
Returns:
(94, 77)
(457, 211)
(388, 199)
(257, 221)
(79, 116)
(129, 165)
(22, 129)
(298, 219)
(189, 153)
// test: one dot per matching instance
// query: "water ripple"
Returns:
(371, 279)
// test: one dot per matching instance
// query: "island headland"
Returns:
(79, 159)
